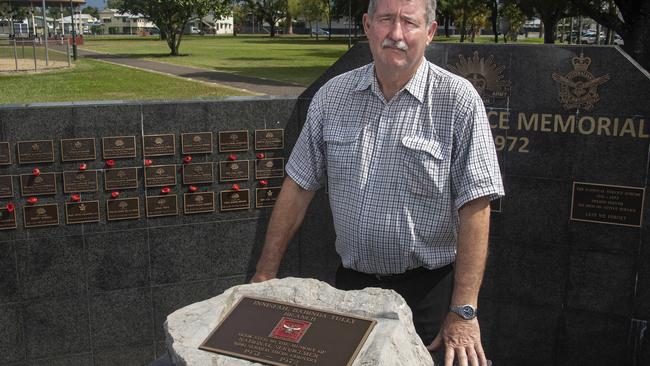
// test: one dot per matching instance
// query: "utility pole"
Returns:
(74, 33)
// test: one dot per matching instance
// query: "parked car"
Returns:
(320, 32)
(589, 37)
(618, 40)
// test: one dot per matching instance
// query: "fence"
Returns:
(30, 54)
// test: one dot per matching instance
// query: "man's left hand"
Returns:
(461, 340)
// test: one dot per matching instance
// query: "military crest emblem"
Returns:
(486, 76)
(579, 88)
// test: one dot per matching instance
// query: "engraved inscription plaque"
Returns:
(606, 204)
(118, 147)
(269, 168)
(159, 145)
(78, 149)
(269, 139)
(159, 175)
(7, 219)
(266, 197)
(41, 215)
(124, 178)
(44, 184)
(41, 151)
(235, 200)
(80, 181)
(196, 143)
(123, 209)
(81, 212)
(230, 171)
(233, 141)
(162, 205)
(198, 173)
(5, 153)
(200, 202)
(6, 186)
(284, 334)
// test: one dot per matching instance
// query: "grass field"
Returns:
(94, 80)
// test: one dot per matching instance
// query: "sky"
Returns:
(99, 4)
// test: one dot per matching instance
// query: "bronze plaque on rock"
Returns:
(605, 204)
(162, 205)
(196, 143)
(78, 149)
(123, 209)
(233, 141)
(41, 151)
(269, 168)
(269, 139)
(6, 186)
(266, 197)
(123, 178)
(198, 173)
(200, 202)
(118, 147)
(41, 215)
(159, 175)
(158, 145)
(230, 171)
(80, 212)
(5, 153)
(235, 200)
(41, 185)
(7, 219)
(284, 334)
(80, 181)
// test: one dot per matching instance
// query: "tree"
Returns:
(172, 16)
(91, 11)
(445, 14)
(549, 11)
(342, 8)
(310, 10)
(512, 21)
(269, 10)
(629, 18)
(114, 4)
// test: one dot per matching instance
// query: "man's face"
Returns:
(398, 34)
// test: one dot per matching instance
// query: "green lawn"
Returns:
(94, 80)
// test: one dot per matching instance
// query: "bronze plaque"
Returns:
(41, 215)
(123, 209)
(266, 197)
(118, 147)
(235, 200)
(5, 153)
(6, 186)
(230, 171)
(78, 149)
(605, 204)
(162, 205)
(269, 168)
(198, 173)
(233, 141)
(196, 143)
(123, 178)
(269, 139)
(80, 181)
(44, 184)
(80, 212)
(41, 151)
(7, 219)
(159, 175)
(200, 202)
(284, 334)
(158, 145)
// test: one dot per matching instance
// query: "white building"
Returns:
(82, 23)
(114, 22)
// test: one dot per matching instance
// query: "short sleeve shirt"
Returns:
(397, 171)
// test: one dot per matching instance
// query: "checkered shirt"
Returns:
(397, 172)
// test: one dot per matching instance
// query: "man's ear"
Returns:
(366, 23)
(431, 32)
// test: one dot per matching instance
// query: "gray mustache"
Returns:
(400, 45)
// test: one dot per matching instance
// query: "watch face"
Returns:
(467, 312)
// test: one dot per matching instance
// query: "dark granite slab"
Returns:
(12, 340)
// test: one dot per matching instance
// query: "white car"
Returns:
(618, 40)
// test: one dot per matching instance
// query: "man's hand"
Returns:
(461, 340)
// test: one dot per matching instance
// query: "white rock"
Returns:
(393, 340)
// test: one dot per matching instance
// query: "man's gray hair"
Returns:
(431, 9)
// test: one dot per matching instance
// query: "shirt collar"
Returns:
(414, 86)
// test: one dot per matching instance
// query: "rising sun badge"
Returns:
(485, 75)
(579, 88)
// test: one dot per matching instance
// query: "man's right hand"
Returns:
(262, 276)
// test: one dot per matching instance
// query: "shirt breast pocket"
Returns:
(425, 167)
(342, 152)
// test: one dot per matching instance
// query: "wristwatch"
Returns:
(467, 311)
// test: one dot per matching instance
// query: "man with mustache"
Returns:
(411, 167)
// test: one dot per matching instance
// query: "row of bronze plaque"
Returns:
(154, 176)
(129, 208)
(124, 147)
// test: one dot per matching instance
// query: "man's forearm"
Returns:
(288, 214)
(472, 251)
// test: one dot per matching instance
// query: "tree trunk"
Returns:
(495, 18)
(635, 44)
(549, 29)
(289, 25)
(446, 20)
(463, 27)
